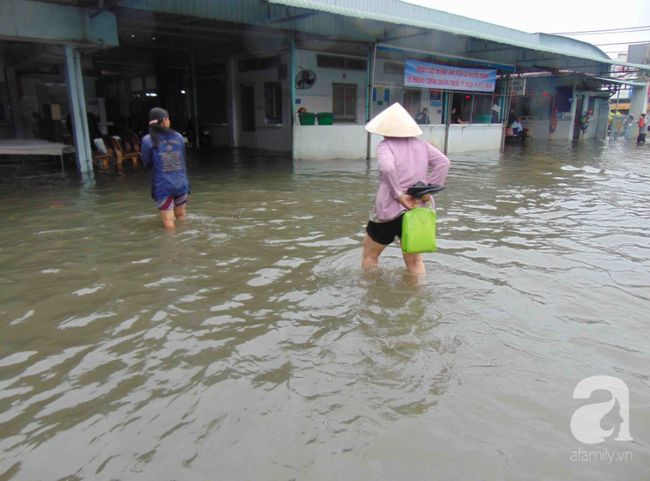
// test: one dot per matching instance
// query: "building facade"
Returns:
(245, 71)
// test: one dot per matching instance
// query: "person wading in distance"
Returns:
(163, 152)
(404, 160)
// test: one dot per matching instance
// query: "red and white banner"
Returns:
(430, 75)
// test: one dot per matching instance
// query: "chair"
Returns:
(104, 158)
(132, 143)
(113, 143)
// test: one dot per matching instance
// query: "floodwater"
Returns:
(248, 345)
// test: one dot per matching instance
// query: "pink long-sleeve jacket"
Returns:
(402, 163)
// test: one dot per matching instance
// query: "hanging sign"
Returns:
(518, 86)
(424, 74)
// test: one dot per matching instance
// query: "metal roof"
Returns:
(621, 82)
(402, 13)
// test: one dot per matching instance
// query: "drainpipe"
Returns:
(573, 113)
(446, 143)
(371, 84)
(505, 110)
(368, 83)
(611, 131)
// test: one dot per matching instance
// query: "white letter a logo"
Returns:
(585, 422)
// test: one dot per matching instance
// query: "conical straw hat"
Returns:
(394, 122)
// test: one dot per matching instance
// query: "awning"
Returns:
(402, 13)
(483, 63)
(621, 82)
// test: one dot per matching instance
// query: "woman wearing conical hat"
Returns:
(404, 160)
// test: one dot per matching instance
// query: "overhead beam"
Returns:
(291, 19)
(419, 34)
(33, 21)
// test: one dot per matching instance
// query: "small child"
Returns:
(163, 152)
(643, 129)
(584, 123)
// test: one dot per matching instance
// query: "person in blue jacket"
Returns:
(163, 152)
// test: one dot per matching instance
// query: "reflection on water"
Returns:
(249, 344)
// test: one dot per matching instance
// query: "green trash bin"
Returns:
(325, 118)
(307, 118)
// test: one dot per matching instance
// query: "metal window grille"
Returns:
(344, 102)
(273, 103)
(341, 63)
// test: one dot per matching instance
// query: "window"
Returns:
(344, 102)
(355, 64)
(330, 61)
(273, 103)
(394, 68)
(248, 64)
(462, 102)
(528, 106)
(482, 111)
(342, 63)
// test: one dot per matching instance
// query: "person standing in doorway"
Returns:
(584, 123)
(643, 129)
(552, 123)
(455, 118)
(163, 152)
(516, 126)
(404, 160)
(423, 117)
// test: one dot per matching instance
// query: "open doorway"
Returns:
(247, 108)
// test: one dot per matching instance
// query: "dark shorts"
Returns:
(170, 202)
(584, 127)
(551, 128)
(640, 138)
(384, 233)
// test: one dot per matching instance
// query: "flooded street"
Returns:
(247, 345)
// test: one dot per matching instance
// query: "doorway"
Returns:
(412, 102)
(247, 109)
(577, 131)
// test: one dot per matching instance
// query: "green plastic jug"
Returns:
(419, 231)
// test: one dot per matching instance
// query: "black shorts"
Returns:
(551, 128)
(384, 232)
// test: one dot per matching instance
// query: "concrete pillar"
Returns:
(573, 114)
(585, 107)
(292, 83)
(232, 85)
(638, 106)
(77, 99)
(194, 100)
(14, 103)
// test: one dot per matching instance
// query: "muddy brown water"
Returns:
(248, 345)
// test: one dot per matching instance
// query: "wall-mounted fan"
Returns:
(305, 79)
